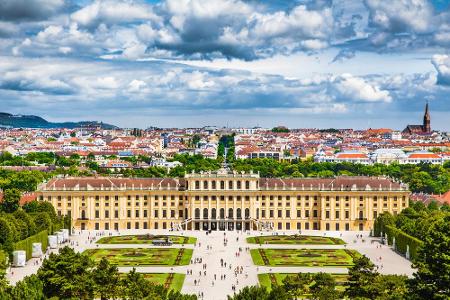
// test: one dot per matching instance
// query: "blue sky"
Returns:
(300, 63)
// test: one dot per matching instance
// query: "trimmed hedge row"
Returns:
(402, 240)
(27, 244)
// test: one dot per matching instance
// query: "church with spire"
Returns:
(425, 128)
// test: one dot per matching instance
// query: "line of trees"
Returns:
(72, 275)
(425, 178)
(364, 282)
(21, 223)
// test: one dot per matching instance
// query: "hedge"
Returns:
(402, 240)
(27, 244)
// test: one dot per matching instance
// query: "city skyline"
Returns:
(302, 64)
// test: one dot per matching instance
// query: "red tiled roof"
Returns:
(424, 155)
(108, 183)
(346, 182)
(27, 197)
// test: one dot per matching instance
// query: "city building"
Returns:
(224, 200)
(425, 128)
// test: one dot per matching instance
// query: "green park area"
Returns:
(304, 257)
(295, 240)
(146, 239)
(143, 257)
(268, 280)
(171, 281)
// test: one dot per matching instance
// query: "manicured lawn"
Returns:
(266, 280)
(145, 239)
(176, 283)
(143, 257)
(295, 239)
(304, 257)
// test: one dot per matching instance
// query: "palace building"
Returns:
(224, 200)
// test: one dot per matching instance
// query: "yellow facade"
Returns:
(225, 200)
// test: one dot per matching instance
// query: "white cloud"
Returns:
(136, 85)
(358, 89)
(112, 12)
(442, 65)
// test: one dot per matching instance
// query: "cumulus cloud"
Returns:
(442, 65)
(194, 29)
(112, 12)
(358, 89)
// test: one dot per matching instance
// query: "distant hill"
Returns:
(30, 121)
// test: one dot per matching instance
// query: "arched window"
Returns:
(247, 213)
(222, 213)
(257, 213)
(238, 213)
(197, 213)
(205, 213)
(361, 215)
(83, 214)
(230, 213)
(230, 185)
(213, 213)
(205, 185)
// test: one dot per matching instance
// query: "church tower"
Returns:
(426, 120)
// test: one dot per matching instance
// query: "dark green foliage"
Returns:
(11, 198)
(226, 141)
(324, 287)
(402, 240)
(106, 279)
(42, 221)
(280, 129)
(366, 283)
(67, 275)
(381, 222)
(29, 288)
(432, 280)
(361, 276)
(25, 181)
(297, 284)
(251, 293)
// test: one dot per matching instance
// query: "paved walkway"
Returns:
(390, 263)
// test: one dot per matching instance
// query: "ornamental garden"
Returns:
(146, 239)
(132, 257)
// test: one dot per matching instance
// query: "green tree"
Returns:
(135, 287)
(297, 284)
(393, 287)
(432, 279)
(20, 214)
(251, 293)
(67, 275)
(11, 198)
(106, 279)
(28, 288)
(361, 276)
(324, 287)
(42, 221)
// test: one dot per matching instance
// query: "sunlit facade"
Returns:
(224, 200)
